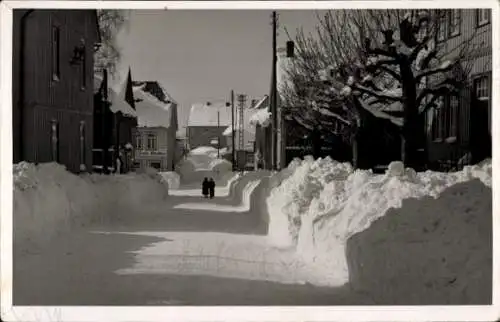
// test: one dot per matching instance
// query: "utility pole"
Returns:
(104, 118)
(274, 97)
(232, 132)
(218, 131)
(241, 100)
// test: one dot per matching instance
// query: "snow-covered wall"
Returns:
(48, 200)
(323, 203)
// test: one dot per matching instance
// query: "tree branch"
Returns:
(379, 95)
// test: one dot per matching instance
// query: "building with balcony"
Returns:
(155, 144)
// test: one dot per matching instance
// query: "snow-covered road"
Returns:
(175, 257)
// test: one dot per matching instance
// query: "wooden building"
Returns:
(115, 119)
(53, 86)
(460, 132)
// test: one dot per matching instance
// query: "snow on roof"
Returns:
(215, 114)
(263, 102)
(154, 107)
(203, 150)
(261, 117)
(228, 131)
(117, 100)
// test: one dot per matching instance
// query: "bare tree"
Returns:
(379, 62)
(110, 23)
(315, 99)
(403, 69)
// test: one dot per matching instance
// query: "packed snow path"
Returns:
(173, 257)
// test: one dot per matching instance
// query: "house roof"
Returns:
(154, 106)
(117, 105)
(210, 115)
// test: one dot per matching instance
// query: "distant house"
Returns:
(263, 136)
(155, 135)
(244, 137)
(53, 86)
(206, 124)
(460, 132)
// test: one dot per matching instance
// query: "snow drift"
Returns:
(428, 252)
(324, 202)
(204, 162)
(48, 200)
(171, 178)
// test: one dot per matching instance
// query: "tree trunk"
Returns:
(354, 153)
(410, 131)
(316, 143)
(355, 150)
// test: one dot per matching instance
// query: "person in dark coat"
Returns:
(211, 187)
(205, 187)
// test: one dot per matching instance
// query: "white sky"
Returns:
(200, 55)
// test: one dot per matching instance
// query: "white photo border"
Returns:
(218, 313)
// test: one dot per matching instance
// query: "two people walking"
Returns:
(208, 188)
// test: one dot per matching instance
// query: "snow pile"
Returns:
(221, 166)
(261, 117)
(49, 200)
(429, 251)
(202, 156)
(203, 162)
(324, 202)
(172, 178)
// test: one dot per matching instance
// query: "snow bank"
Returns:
(221, 166)
(428, 252)
(173, 179)
(48, 200)
(324, 202)
(244, 205)
(204, 161)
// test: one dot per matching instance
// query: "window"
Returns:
(481, 88)
(438, 121)
(138, 141)
(482, 17)
(152, 142)
(56, 49)
(83, 66)
(445, 119)
(454, 105)
(454, 22)
(441, 26)
(54, 140)
(82, 146)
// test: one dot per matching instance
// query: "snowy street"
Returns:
(181, 255)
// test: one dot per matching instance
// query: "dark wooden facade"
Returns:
(464, 128)
(53, 87)
(110, 129)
